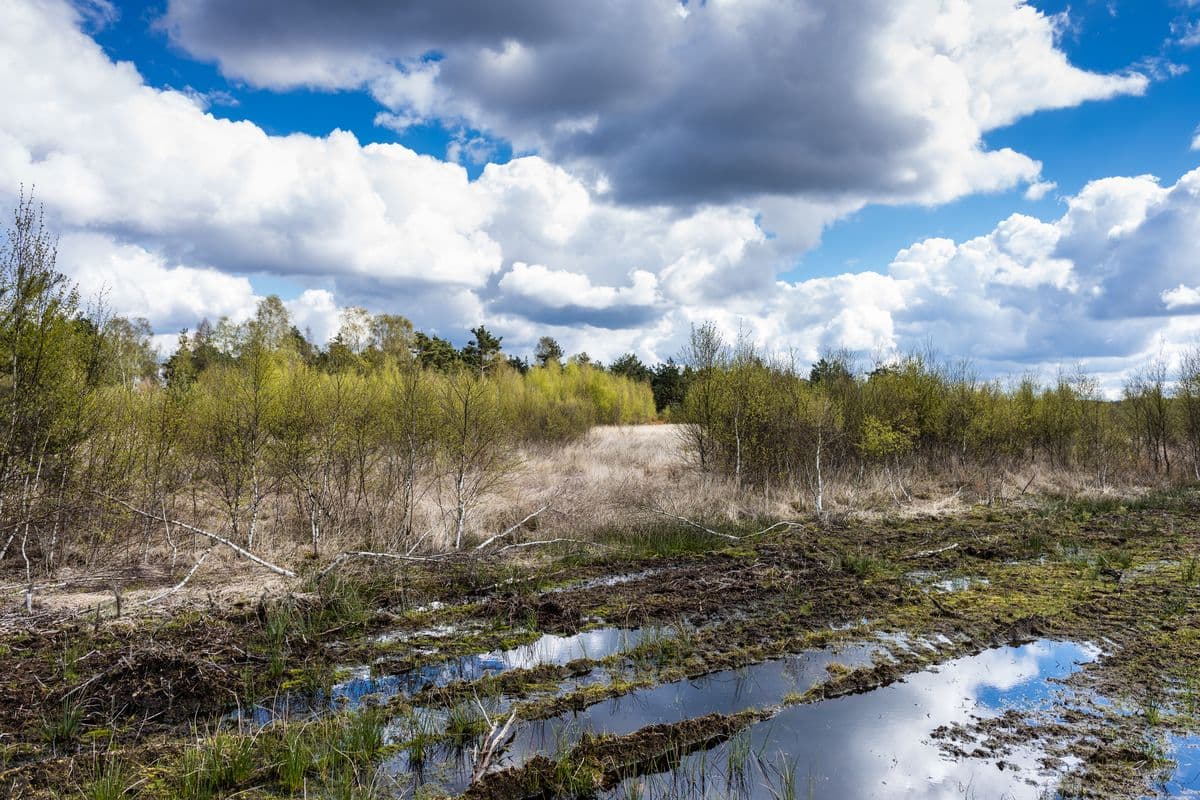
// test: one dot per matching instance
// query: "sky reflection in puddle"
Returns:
(725, 692)
(877, 744)
(1185, 780)
(352, 692)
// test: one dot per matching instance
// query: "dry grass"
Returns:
(615, 474)
(613, 478)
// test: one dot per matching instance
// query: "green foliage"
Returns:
(482, 353)
(547, 352)
(464, 722)
(862, 565)
(556, 403)
(327, 752)
(249, 421)
(631, 367)
(767, 423)
(880, 441)
(669, 385)
(434, 352)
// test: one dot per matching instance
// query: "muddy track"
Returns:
(1116, 576)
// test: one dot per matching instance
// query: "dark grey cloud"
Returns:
(610, 318)
(238, 32)
(703, 103)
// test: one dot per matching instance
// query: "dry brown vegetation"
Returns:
(614, 478)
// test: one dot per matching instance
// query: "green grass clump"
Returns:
(464, 722)
(109, 782)
(862, 565)
(292, 757)
(65, 726)
(1190, 570)
(660, 540)
(217, 765)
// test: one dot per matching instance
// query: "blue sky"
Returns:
(1151, 134)
(614, 178)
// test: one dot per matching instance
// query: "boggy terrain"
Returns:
(1050, 649)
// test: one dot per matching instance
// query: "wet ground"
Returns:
(1050, 650)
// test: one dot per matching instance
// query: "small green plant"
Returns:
(862, 565)
(348, 784)
(360, 737)
(1111, 563)
(216, 765)
(422, 734)
(573, 777)
(109, 782)
(293, 760)
(1152, 710)
(1190, 570)
(781, 779)
(1121, 559)
(464, 722)
(1175, 606)
(738, 752)
(72, 654)
(280, 621)
(65, 726)
(1036, 543)
(1191, 694)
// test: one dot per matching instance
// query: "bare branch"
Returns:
(498, 536)
(695, 525)
(769, 528)
(495, 740)
(185, 580)
(241, 551)
(343, 557)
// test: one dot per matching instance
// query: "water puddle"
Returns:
(361, 686)
(1149, 568)
(878, 744)
(726, 692)
(434, 632)
(939, 582)
(1185, 780)
(605, 581)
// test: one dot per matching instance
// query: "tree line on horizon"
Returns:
(365, 341)
(769, 422)
(249, 429)
(252, 430)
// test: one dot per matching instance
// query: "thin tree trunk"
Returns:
(820, 478)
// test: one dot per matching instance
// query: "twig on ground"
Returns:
(934, 552)
(495, 740)
(343, 557)
(548, 541)
(769, 528)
